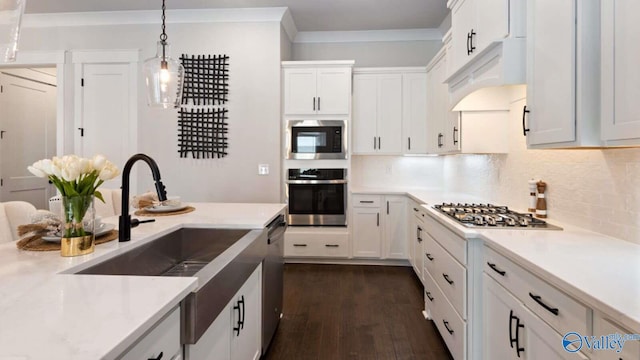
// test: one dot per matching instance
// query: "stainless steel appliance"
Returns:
(317, 197)
(492, 216)
(273, 268)
(316, 139)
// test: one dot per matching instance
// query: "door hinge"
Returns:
(82, 82)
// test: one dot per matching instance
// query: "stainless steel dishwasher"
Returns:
(273, 269)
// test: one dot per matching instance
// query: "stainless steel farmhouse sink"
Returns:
(221, 259)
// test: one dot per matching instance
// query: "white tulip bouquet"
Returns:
(77, 179)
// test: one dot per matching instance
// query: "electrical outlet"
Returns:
(263, 169)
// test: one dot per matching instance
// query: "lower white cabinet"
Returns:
(163, 339)
(514, 332)
(316, 242)
(604, 327)
(236, 332)
(378, 227)
(418, 232)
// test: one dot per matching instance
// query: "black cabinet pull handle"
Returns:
(300, 245)
(159, 356)
(379, 143)
(515, 340)
(318, 103)
(366, 201)
(2, 133)
(440, 144)
(446, 325)
(314, 103)
(81, 132)
(243, 312)
(419, 232)
(374, 143)
(468, 44)
(414, 209)
(331, 245)
(493, 266)
(237, 327)
(409, 141)
(455, 130)
(471, 46)
(429, 296)
(429, 257)
(387, 207)
(378, 219)
(525, 130)
(446, 277)
(538, 299)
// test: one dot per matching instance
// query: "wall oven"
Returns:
(316, 139)
(317, 197)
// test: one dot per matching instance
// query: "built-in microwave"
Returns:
(316, 139)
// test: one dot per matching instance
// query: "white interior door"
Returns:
(105, 122)
(28, 126)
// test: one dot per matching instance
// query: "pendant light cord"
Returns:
(163, 36)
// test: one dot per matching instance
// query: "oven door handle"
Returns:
(314, 182)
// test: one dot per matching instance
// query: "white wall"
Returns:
(254, 104)
(370, 54)
(402, 172)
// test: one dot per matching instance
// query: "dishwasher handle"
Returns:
(276, 229)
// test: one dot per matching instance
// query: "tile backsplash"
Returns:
(596, 189)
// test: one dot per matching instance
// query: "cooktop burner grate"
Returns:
(492, 216)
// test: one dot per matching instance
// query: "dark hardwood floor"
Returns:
(354, 312)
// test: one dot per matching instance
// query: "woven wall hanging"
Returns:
(202, 118)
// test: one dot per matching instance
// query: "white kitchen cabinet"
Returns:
(477, 23)
(563, 73)
(377, 113)
(236, 332)
(514, 332)
(316, 242)
(604, 327)
(414, 112)
(317, 88)
(163, 339)
(620, 51)
(379, 226)
(443, 126)
(418, 235)
(366, 232)
(395, 244)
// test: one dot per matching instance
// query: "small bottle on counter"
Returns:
(541, 205)
(533, 199)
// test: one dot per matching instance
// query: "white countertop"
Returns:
(600, 271)
(47, 314)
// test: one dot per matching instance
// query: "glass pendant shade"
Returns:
(11, 12)
(163, 76)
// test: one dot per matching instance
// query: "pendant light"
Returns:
(11, 12)
(163, 75)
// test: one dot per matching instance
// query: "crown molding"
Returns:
(97, 18)
(368, 36)
(289, 25)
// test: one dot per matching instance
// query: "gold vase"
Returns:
(79, 219)
(75, 246)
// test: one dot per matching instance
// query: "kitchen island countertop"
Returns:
(47, 312)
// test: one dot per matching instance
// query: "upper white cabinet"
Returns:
(476, 24)
(322, 88)
(620, 39)
(377, 113)
(414, 113)
(389, 111)
(562, 74)
(443, 127)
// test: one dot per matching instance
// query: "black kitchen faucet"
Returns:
(125, 218)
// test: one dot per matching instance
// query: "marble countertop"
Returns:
(47, 312)
(600, 271)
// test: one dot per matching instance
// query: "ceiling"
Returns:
(309, 15)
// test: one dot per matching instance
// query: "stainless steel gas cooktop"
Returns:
(492, 216)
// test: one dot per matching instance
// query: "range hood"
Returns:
(484, 80)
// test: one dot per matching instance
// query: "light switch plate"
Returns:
(263, 169)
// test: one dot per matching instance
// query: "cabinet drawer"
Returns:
(163, 338)
(455, 245)
(451, 327)
(630, 349)
(334, 245)
(448, 274)
(333, 248)
(559, 310)
(366, 201)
